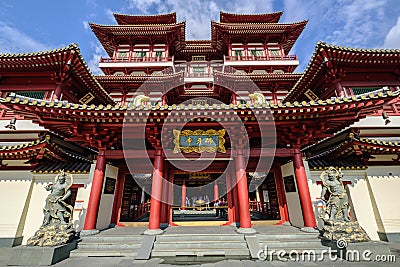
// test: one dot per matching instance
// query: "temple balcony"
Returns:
(198, 71)
(126, 62)
(285, 60)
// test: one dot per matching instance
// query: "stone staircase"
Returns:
(108, 246)
(195, 247)
(291, 243)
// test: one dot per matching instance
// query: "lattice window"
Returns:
(198, 69)
(122, 54)
(37, 95)
(363, 90)
(275, 52)
(238, 53)
(257, 53)
(140, 53)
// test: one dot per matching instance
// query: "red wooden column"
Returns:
(57, 92)
(261, 197)
(119, 188)
(171, 200)
(231, 207)
(235, 196)
(339, 88)
(183, 204)
(304, 192)
(164, 199)
(280, 187)
(95, 192)
(156, 189)
(216, 194)
(243, 195)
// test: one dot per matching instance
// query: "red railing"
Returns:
(260, 58)
(141, 209)
(256, 206)
(136, 59)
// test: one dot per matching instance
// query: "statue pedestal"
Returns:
(32, 256)
(349, 241)
(352, 232)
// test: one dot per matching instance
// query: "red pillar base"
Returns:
(243, 196)
(304, 192)
(95, 193)
(155, 202)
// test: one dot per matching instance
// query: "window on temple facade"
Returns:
(363, 90)
(274, 52)
(140, 53)
(238, 53)
(257, 53)
(32, 94)
(198, 69)
(122, 54)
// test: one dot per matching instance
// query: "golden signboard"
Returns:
(199, 141)
(86, 98)
(311, 95)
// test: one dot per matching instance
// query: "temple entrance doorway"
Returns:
(202, 198)
(135, 203)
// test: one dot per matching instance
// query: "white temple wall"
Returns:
(15, 187)
(383, 185)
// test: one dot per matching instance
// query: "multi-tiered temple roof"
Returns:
(149, 55)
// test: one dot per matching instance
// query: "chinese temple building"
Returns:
(174, 122)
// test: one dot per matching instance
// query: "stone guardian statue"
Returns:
(337, 205)
(335, 214)
(57, 227)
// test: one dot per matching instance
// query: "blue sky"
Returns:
(29, 26)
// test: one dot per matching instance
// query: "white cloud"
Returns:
(356, 23)
(93, 62)
(392, 39)
(110, 15)
(13, 40)
(199, 13)
(363, 21)
(86, 25)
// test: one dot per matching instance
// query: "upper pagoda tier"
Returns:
(283, 34)
(274, 17)
(125, 19)
(110, 36)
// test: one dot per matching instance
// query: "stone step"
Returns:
(177, 238)
(201, 252)
(113, 239)
(284, 237)
(112, 246)
(198, 241)
(103, 253)
(201, 245)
